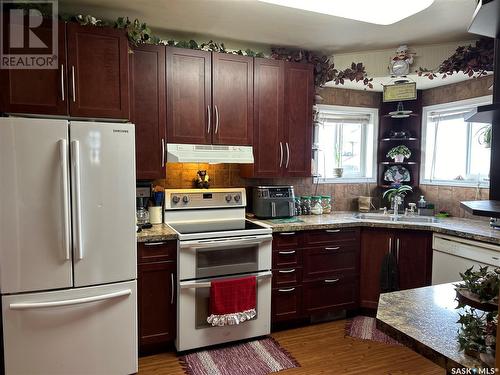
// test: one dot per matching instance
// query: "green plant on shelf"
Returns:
(399, 153)
(397, 191)
(485, 284)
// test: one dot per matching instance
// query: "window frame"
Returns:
(471, 102)
(374, 114)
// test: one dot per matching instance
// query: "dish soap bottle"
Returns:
(422, 203)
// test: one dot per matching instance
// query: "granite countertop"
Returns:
(159, 232)
(425, 320)
(478, 230)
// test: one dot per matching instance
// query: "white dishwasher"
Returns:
(452, 255)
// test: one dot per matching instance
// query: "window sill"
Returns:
(468, 184)
(343, 180)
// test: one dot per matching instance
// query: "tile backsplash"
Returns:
(344, 196)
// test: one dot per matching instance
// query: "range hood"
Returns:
(185, 153)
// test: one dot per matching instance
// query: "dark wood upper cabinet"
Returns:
(232, 87)
(268, 118)
(283, 100)
(299, 96)
(189, 96)
(414, 255)
(148, 110)
(40, 91)
(98, 72)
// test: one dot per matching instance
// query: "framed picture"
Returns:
(400, 91)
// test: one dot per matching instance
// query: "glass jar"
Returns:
(326, 203)
(305, 204)
(316, 208)
(298, 207)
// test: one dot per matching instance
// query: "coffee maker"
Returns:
(142, 197)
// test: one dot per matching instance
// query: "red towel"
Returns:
(232, 301)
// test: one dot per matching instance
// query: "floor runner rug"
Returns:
(364, 327)
(257, 357)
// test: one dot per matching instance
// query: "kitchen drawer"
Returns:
(322, 262)
(335, 293)
(286, 303)
(157, 251)
(287, 258)
(287, 277)
(331, 236)
(286, 240)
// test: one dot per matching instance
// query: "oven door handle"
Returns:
(226, 242)
(206, 284)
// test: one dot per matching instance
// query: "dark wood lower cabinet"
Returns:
(314, 272)
(286, 303)
(412, 251)
(156, 280)
(334, 293)
(323, 271)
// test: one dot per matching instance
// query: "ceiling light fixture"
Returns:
(380, 12)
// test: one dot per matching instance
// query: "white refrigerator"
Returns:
(68, 247)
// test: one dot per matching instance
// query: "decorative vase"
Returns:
(399, 158)
(338, 172)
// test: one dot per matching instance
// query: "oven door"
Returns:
(224, 256)
(193, 331)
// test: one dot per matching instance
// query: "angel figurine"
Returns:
(400, 64)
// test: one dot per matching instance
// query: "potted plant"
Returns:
(395, 195)
(484, 136)
(399, 153)
(338, 171)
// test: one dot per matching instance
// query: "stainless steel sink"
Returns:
(406, 219)
(419, 219)
(375, 217)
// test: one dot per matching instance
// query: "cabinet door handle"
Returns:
(332, 248)
(281, 154)
(154, 243)
(216, 119)
(209, 119)
(332, 230)
(162, 152)
(287, 271)
(287, 252)
(287, 233)
(331, 281)
(62, 82)
(390, 244)
(172, 289)
(287, 155)
(73, 82)
(286, 290)
(397, 249)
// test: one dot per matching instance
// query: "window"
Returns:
(344, 138)
(453, 151)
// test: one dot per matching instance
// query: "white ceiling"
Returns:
(256, 22)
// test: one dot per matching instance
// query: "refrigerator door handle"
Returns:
(75, 150)
(69, 302)
(63, 153)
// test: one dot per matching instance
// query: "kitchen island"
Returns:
(425, 320)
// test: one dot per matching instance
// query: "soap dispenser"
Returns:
(422, 203)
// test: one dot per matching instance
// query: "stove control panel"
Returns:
(206, 198)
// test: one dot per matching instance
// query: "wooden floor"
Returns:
(323, 349)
